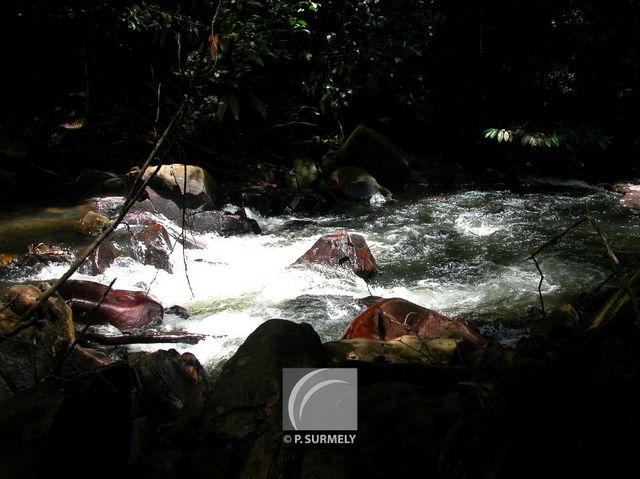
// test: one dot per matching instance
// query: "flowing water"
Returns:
(463, 254)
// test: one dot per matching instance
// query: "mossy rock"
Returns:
(403, 350)
(377, 154)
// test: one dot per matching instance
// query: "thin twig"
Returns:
(544, 313)
(557, 237)
(26, 317)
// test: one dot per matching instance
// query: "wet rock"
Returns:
(280, 202)
(203, 220)
(395, 317)
(147, 244)
(179, 311)
(164, 380)
(402, 350)
(223, 223)
(248, 391)
(126, 310)
(342, 248)
(356, 184)
(375, 153)
(92, 224)
(170, 183)
(630, 194)
(31, 354)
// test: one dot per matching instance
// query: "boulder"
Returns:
(91, 224)
(126, 310)
(170, 182)
(148, 244)
(342, 248)
(375, 153)
(248, 391)
(395, 317)
(164, 380)
(201, 220)
(356, 184)
(33, 353)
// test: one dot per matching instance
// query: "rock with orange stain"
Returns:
(342, 249)
(391, 318)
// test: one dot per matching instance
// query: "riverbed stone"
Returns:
(164, 381)
(342, 249)
(147, 244)
(124, 309)
(391, 318)
(200, 188)
(33, 353)
(248, 390)
(198, 220)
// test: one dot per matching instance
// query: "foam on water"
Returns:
(464, 254)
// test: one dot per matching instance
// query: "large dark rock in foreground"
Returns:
(37, 351)
(126, 310)
(395, 317)
(164, 380)
(248, 391)
(342, 249)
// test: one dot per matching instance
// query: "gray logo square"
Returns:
(320, 399)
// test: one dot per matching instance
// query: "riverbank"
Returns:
(563, 403)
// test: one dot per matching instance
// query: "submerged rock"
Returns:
(342, 249)
(126, 310)
(395, 317)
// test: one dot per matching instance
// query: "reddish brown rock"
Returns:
(126, 310)
(391, 318)
(342, 248)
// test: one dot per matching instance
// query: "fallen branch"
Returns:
(615, 264)
(144, 338)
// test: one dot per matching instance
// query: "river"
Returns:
(463, 253)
